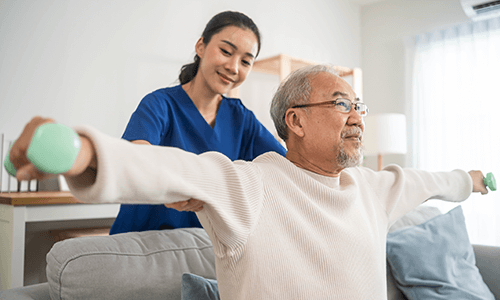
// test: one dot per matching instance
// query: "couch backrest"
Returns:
(138, 265)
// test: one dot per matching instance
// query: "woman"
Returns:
(195, 116)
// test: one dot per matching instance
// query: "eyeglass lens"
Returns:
(344, 105)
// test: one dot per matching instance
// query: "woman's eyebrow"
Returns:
(236, 48)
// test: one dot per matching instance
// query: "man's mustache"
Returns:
(352, 131)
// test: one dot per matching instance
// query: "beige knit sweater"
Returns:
(279, 231)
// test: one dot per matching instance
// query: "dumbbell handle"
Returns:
(53, 149)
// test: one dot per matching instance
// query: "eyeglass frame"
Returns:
(333, 102)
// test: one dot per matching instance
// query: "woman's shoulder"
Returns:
(236, 105)
(164, 96)
(172, 92)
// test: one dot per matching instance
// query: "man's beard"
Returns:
(345, 160)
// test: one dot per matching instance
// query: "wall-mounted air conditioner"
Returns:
(481, 9)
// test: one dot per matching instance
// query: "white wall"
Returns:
(384, 27)
(91, 62)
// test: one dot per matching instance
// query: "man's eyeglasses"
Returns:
(341, 105)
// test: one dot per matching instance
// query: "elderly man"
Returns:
(312, 225)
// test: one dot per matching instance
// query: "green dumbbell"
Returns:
(8, 164)
(490, 182)
(53, 149)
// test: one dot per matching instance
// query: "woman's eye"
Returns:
(247, 63)
(224, 51)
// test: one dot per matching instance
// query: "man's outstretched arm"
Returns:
(85, 162)
(109, 169)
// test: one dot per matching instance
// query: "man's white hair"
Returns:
(294, 90)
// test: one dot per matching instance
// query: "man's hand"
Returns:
(188, 205)
(27, 171)
(478, 182)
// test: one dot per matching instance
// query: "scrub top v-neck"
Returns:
(168, 117)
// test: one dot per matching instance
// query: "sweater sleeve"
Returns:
(126, 172)
(400, 190)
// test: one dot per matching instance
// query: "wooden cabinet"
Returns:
(26, 218)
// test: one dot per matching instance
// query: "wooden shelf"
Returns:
(37, 198)
(282, 65)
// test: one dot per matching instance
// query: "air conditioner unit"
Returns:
(481, 9)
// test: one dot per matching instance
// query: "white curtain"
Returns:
(454, 112)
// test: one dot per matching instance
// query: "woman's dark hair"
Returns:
(215, 25)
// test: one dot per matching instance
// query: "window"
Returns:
(454, 112)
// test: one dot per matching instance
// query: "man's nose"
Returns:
(355, 118)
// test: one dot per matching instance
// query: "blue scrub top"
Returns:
(168, 117)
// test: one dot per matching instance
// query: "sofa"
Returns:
(150, 265)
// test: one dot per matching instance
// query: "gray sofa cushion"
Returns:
(488, 262)
(100, 267)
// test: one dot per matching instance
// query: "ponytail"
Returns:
(188, 71)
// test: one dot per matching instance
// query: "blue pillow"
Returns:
(435, 260)
(195, 287)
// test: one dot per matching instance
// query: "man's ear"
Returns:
(294, 121)
(200, 47)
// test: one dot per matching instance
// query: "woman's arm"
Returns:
(141, 142)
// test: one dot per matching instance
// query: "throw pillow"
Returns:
(417, 216)
(435, 260)
(195, 287)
